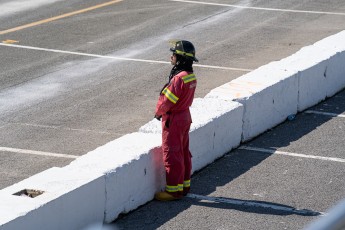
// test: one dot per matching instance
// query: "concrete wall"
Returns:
(269, 94)
(125, 173)
(70, 199)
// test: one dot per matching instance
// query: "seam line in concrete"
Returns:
(274, 151)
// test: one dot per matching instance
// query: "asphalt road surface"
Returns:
(75, 75)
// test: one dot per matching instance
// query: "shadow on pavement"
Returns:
(253, 206)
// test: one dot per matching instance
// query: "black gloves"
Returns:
(158, 117)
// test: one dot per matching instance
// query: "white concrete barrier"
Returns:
(335, 73)
(125, 173)
(216, 130)
(320, 68)
(269, 94)
(133, 170)
(311, 70)
(70, 200)
(336, 68)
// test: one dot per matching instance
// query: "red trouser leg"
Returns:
(187, 163)
(176, 155)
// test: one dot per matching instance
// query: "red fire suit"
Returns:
(173, 105)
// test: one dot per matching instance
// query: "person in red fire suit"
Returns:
(173, 108)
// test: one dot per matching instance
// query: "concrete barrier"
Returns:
(335, 73)
(125, 173)
(216, 130)
(269, 94)
(320, 68)
(70, 200)
(132, 169)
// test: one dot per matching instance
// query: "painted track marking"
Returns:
(58, 17)
(273, 151)
(325, 113)
(64, 128)
(262, 8)
(116, 58)
(40, 153)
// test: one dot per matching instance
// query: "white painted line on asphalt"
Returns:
(64, 128)
(273, 151)
(221, 67)
(117, 58)
(40, 153)
(258, 204)
(325, 113)
(58, 17)
(262, 8)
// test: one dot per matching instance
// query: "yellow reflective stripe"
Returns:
(189, 78)
(172, 97)
(186, 183)
(184, 53)
(170, 188)
(174, 188)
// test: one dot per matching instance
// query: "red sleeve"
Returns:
(169, 96)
